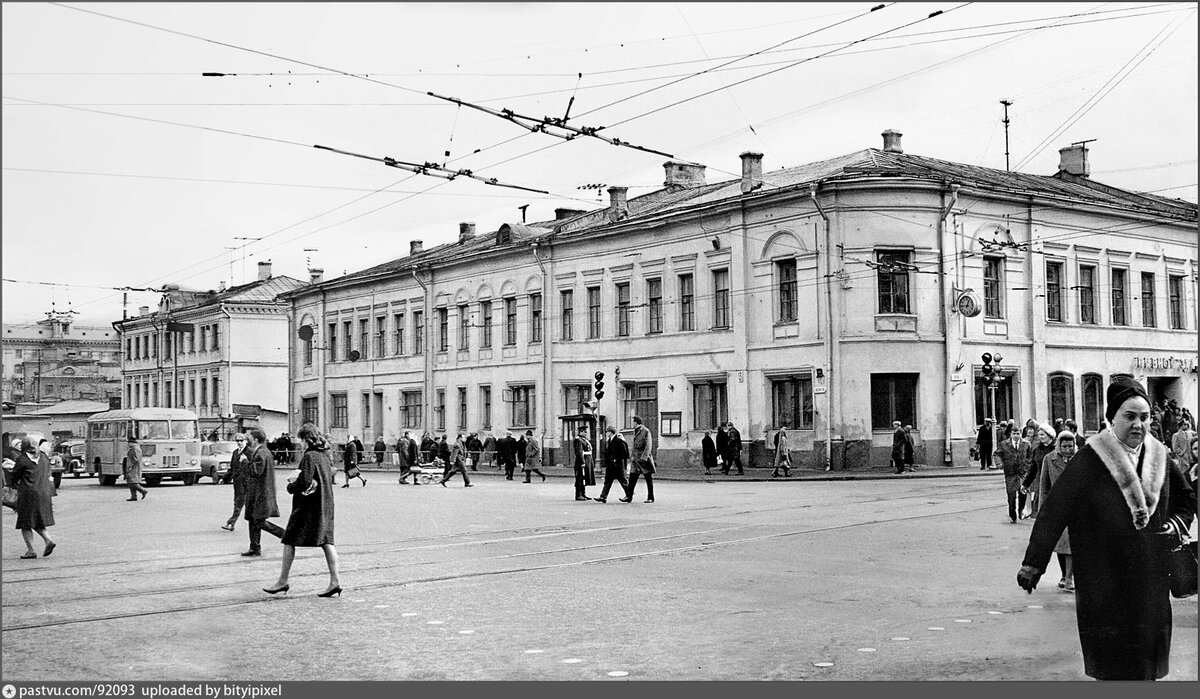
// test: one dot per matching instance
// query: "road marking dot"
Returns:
(962, 621)
(823, 664)
(466, 631)
(1034, 606)
(572, 660)
(435, 622)
(996, 613)
(866, 650)
(617, 673)
(382, 606)
(901, 638)
(937, 628)
(360, 600)
(408, 614)
(535, 650)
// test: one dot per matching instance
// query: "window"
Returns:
(464, 327)
(654, 305)
(721, 299)
(575, 398)
(153, 346)
(439, 408)
(567, 302)
(786, 274)
(411, 409)
(485, 406)
(1087, 295)
(1093, 402)
(129, 348)
(443, 315)
(640, 399)
(593, 298)
(212, 337)
(893, 397)
(709, 407)
(687, 303)
(1062, 397)
(993, 270)
(339, 410)
(203, 391)
(522, 406)
(792, 402)
(168, 343)
(1175, 300)
(671, 424)
(485, 310)
(462, 408)
(364, 339)
(191, 394)
(203, 339)
(366, 409)
(418, 332)
(308, 410)
(510, 323)
(1118, 297)
(397, 334)
(535, 317)
(1054, 310)
(893, 282)
(167, 402)
(348, 339)
(306, 350)
(216, 394)
(623, 310)
(380, 337)
(332, 341)
(1149, 320)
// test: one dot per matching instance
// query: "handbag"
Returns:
(10, 497)
(353, 472)
(974, 453)
(1181, 566)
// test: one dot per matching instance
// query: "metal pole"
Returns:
(1007, 104)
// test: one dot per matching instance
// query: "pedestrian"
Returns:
(405, 449)
(1014, 458)
(581, 448)
(1053, 467)
(133, 469)
(1125, 508)
(1059, 425)
(489, 450)
(521, 452)
(897, 446)
(350, 461)
(1041, 446)
(1169, 420)
(910, 451)
(456, 459)
(443, 455)
(723, 448)
(380, 449)
(708, 453)
(239, 461)
(506, 452)
(35, 493)
(260, 491)
(735, 448)
(783, 457)
(428, 447)
(311, 520)
(616, 458)
(1181, 443)
(533, 457)
(983, 444)
(474, 450)
(1073, 428)
(641, 458)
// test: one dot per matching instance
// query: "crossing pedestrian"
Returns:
(35, 493)
(133, 468)
(260, 492)
(1053, 467)
(238, 461)
(474, 450)
(616, 459)
(521, 447)
(406, 450)
(1041, 447)
(350, 460)
(897, 446)
(380, 449)
(506, 453)
(428, 447)
(455, 460)
(1014, 458)
(641, 459)
(533, 456)
(443, 455)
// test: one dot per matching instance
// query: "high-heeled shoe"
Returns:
(276, 590)
(330, 593)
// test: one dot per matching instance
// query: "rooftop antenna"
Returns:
(522, 208)
(1007, 104)
(231, 248)
(308, 258)
(243, 258)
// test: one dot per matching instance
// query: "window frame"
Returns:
(1087, 294)
(1093, 409)
(462, 408)
(893, 282)
(800, 399)
(412, 409)
(1054, 285)
(485, 406)
(1149, 300)
(722, 319)
(418, 332)
(397, 334)
(526, 396)
(332, 341)
(535, 318)
(339, 410)
(1119, 295)
(380, 336)
(439, 409)
(566, 304)
(510, 321)
(654, 305)
(993, 286)
(687, 302)
(894, 410)
(310, 410)
(443, 321)
(485, 323)
(787, 308)
(594, 324)
(1176, 320)
(464, 327)
(623, 301)
(1061, 378)
(710, 404)
(364, 338)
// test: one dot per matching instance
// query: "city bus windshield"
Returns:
(152, 429)
(183, 429)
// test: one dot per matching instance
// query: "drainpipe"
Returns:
(832, 422)
(426, 398)
(228, 352)
(324, 354)
(291, 370)
(946, 241)
(547, 344)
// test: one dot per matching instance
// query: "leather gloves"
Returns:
(1028, 578)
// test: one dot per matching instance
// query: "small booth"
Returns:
(594, 425)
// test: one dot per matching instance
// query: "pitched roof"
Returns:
(71, 407)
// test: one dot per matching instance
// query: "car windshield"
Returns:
(223, 447)
(78, 449)
(152, 429)
(183, 429)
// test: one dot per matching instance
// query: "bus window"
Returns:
(183, 429)
(121, 430)
(152, 429)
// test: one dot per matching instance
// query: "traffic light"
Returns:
(988, 371)
(598, 389)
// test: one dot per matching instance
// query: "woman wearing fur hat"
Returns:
(1126, 507)
(1041, 446)
(1053, 467)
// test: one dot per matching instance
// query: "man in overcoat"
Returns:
(898, 446)
(133, 469)
(239, 462)
(723, 448)
(642, 460)
(984, 444)
(735, 450)
(580, 446)
(474, 450)
(260, 492)
(708, 453)
(506, 452)
(616, 453)
(1013, 452)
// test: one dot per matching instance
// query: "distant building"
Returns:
(831, 298)
(55, 359)
(62, 420)
(221, 354)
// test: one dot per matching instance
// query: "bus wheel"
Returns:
(190, 479)
(153, 480)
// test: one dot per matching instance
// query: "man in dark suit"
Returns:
(581, 449)
(735, 449)
(1014, 454)
(708, 453)
(521, 452)
(506, 452)
(260, 491)
(723, 448)
(616, 453)
(984, 444)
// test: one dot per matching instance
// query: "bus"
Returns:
(169, 437)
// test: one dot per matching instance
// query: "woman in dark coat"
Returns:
(311, 521)
(35, 509)
(708, 453)
(1053, 467)
(1126, 507)
(1041, 446)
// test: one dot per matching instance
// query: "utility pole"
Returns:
(1007, 104)
(243, 259)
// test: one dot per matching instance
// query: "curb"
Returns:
(875, 474)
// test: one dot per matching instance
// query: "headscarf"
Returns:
(1120, 390)
(1064, 436)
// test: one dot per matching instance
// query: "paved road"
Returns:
(899, 579)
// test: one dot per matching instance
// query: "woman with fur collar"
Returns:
(1126, 507)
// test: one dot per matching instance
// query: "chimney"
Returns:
(682, 175)
(264, 271)
(414, 246)
(751, 171)
(144, 311)
(618, 207)
(891, 141)
(466, 231)
(560, 214)
(316, 275)
(1073, 160)
(221, 285)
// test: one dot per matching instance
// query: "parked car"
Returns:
(56, 462)
(74, 452)
(214, 460)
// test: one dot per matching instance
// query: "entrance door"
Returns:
(1163, 388)
(641, 399)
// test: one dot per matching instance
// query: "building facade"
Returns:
(221, 354)
(55, 359)
(832, 298)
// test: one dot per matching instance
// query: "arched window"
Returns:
(1093, 402)
(1062, 396)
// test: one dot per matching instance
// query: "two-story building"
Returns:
(221, 354)
(56, 359)
(831, 298)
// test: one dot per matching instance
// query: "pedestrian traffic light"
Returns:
(988, 371)
(598, 390)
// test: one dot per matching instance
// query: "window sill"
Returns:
(895, 322)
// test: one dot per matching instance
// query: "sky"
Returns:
(124, 166)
